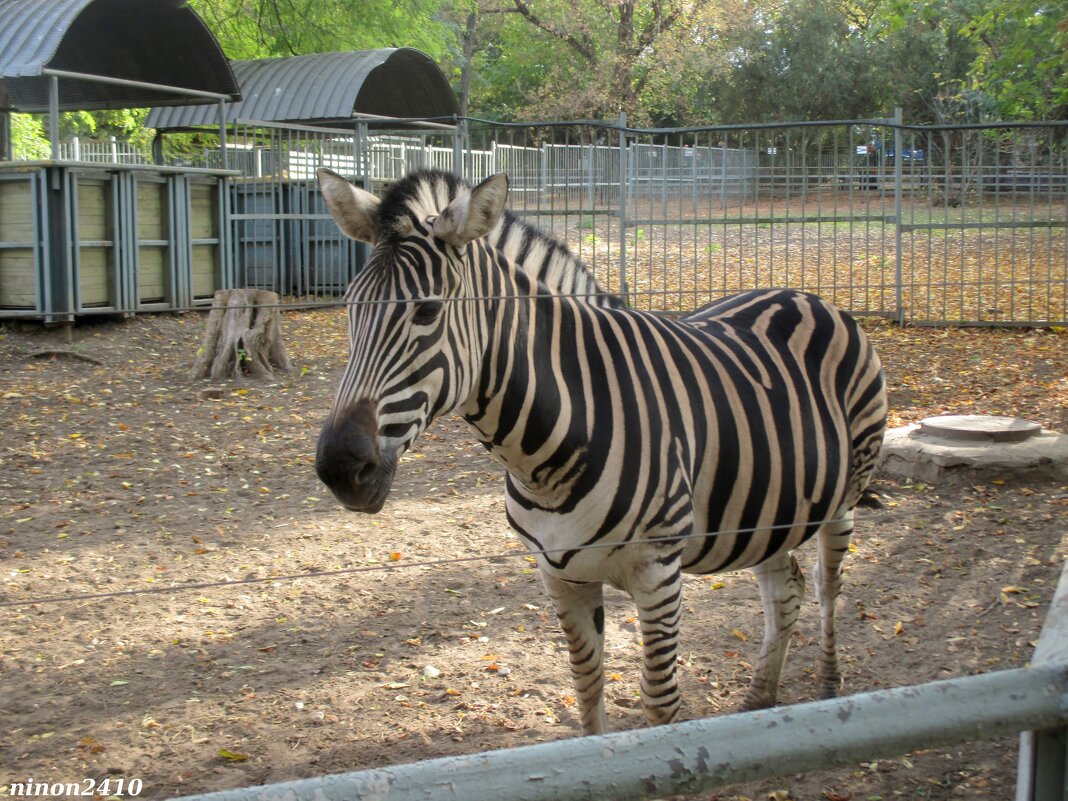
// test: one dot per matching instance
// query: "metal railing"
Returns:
(968, 226)
(702, 755)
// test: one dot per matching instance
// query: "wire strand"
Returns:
(670, 539)
(339, 304)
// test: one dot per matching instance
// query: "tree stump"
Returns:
(243, 337)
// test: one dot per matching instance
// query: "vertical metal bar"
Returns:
(623, 291)
(53, 115)
(223, 156)
(1043, 760)
(804, 212)
(1063, 161)
(928, 152)
(458, 147)
(979, 182)
(899, 311)
(6, 146)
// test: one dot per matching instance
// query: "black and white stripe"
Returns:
(758, 416)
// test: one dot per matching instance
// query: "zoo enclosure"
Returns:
(967, 226)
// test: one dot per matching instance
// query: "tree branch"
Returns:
(656, 26)
(583, 47)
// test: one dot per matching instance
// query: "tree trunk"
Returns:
(467, 68)
(243, 337)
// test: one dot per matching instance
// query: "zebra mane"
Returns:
(426, 193)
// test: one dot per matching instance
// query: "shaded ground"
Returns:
(123, 475)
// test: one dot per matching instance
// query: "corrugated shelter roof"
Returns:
(327, 89)
(152, 41)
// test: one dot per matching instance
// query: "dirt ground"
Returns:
(119, 474)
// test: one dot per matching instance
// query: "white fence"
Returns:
(548, 168)
(108, 151)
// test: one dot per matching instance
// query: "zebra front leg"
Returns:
(580, 610)
(781, 588)
(658, 594)
(834, 539)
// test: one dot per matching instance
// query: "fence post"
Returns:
(589, 163)
(543, 182)
(899, 287)
(458, 148)
(6, 145)
(1043, 761)
(224, 157)
(623, 188)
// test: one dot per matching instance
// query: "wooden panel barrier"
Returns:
(81, 239)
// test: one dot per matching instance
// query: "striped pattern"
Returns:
(762, 411)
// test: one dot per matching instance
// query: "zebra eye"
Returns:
(426, 312)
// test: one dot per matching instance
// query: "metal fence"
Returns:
(926, 225)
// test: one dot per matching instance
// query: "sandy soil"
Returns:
(120, 474)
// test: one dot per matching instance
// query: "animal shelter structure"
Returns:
(87, 231)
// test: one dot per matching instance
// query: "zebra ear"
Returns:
(473, 215)
(353, 208)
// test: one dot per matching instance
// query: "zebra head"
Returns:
(414, 346)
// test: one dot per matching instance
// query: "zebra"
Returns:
(624, 434)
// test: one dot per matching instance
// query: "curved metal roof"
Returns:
(152, 41)
(328, 88)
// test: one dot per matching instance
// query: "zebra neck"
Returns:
(528, 407)
(544, 259)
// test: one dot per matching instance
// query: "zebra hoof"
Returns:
(829, 688)
(757, 700)
(661, 716)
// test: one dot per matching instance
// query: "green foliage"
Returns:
(28, 138)
(1022, 57)
(668, 62)
(266, 28)
(756, 60)
(800, 62)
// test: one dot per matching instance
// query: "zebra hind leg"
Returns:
(782, 586)
(834, 539)
(580, 610)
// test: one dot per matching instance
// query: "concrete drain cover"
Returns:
(980, 428)
(973, 443)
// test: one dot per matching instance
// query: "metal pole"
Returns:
(6, 147)
(223, 157)
(53, 115)
(458, 149)
(1043, 761)
(157, 87)
(700, 755)
(898, 220)
(362, 157)
(623, 188)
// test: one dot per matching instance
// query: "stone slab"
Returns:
(911, 452)
(980, 427)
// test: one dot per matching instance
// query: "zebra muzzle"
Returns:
(349, 461)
